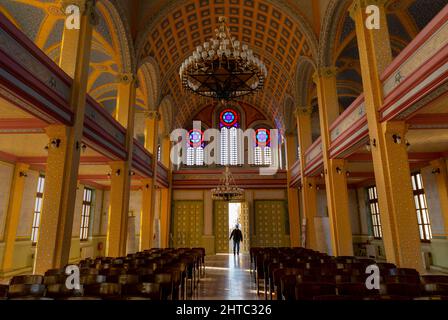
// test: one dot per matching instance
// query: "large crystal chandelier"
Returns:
(227, 189)
(223, 68)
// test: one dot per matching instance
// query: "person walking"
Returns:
(237, 236)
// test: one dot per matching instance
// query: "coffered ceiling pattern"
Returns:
(275, 36)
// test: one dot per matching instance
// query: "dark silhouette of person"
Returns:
(237, 236)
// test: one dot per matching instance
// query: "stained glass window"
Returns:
(263, 154)
(229, 118)
(195, 148)
(229, 123)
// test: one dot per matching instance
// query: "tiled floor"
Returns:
(227, 277)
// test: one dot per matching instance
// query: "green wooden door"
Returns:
(221, 226)
(187, 223)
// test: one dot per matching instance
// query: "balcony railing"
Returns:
(313, 157)
(162, 175)
(30, 79)
(102, 129)
(141, 159)
(294, 172)
(417, 75)
(415, 78)
(33, 82)
(348, 128)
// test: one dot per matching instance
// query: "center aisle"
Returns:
(227, 277)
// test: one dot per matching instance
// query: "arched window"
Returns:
(229, 124)
(195, 148)
(263, 153)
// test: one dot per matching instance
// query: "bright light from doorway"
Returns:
(234, 214)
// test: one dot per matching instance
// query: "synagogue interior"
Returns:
(137, 136)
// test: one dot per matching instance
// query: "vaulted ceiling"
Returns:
(162, 33)
(276, 36)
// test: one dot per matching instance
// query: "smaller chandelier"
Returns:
(223, 68)
(227, 189)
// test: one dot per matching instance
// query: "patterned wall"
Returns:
(187, 223)
(271, 224)
(221, 226)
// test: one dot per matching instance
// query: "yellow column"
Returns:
(442, 187)
(55, 230)
(293, 194)
(339, 198)
(70, 41)
(335, 184)
(118, 209)
(164, 216)
(166, 147)
(13, 214)
(308, 194)
(151, 131)
(165, 195)
(121, 171)
(148, 191)
(145, 216)
(390, 159)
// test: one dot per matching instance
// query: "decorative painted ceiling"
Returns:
(275, 36)
(164, 32)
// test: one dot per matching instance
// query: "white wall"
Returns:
(439, 243)
(433, 202)
(364, 212)
(354, 211)
(28, 202)
(105, 212)
(322, 210)
(24, 251)
(97, 213)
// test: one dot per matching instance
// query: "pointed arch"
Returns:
(304, 80)
(334, 14)
(149, 73)
(122, 29)
(166, 113)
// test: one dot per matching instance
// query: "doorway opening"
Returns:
(238, 215)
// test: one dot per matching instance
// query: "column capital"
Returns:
(56, 131)
(362, 4)
(325, 72)
(338, 165)
(127, 78)
(438, 163)
(22, 166)
(308, 110)
(395, 127)
(152, 115)
(114, 165)
(146, 183)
